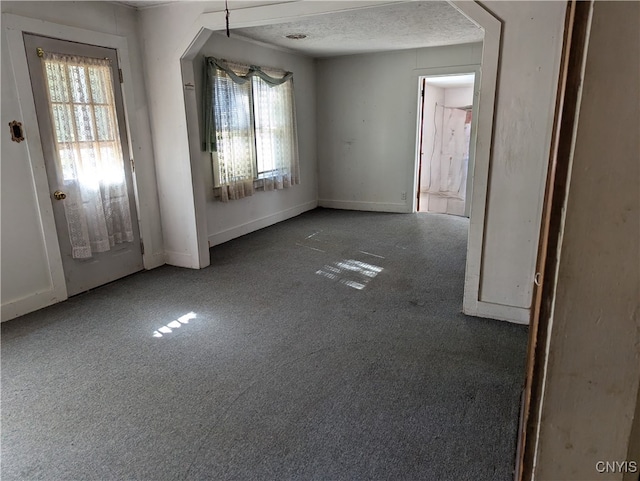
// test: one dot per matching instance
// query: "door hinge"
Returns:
(422, 93)
(133, 164)
(142, 247)
(120, 76)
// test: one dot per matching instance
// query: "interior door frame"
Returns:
(476, 70)
(79, 272)
(576, 33)
(420, 152)
(13, 27)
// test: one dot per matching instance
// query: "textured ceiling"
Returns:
(388, 27)
(403, 25)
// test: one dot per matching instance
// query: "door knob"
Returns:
(59, 195)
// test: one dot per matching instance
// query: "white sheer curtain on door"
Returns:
(90, 161)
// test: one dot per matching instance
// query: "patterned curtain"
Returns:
(234, 161)
(276, 136)
(250, 127)
(90, 161)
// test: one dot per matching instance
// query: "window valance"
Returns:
(231, 70)
(239, 74)
(249, 127)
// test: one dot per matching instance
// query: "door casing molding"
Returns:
(14, 26)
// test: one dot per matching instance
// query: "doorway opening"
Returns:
(445, 146)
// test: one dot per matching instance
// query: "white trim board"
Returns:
(254, 225)
(19, 307)
(515, 315)
(365, 206)
(180, 259)
(200, 198)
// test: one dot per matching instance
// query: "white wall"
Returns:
(25, 269)
(527, 83)
(31, 267)
(458, 96)
(593, 370)
(367, 111)
(232, 219)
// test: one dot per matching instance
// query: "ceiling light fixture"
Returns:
(296, 36)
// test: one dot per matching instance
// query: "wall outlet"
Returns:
(403, 196)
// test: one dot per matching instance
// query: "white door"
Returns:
(80, 113)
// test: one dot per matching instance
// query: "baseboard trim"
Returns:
(366, 206)
(181, 259)
(39, 300)
(20, 307)
(154, 260)
(254, 225)
(488, 310)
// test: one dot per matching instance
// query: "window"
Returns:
(250, 128)
(90, 163)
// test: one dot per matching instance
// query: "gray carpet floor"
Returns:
(327, 347)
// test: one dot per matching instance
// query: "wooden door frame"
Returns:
(576, 34)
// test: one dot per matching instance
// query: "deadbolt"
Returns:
(59, 195)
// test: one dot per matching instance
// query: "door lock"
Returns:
(59, 195)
